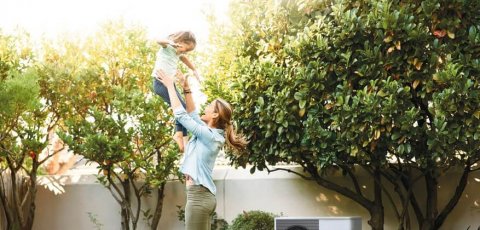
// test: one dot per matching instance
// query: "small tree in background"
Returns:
(25, 122)
(102, 87)
(389, 86)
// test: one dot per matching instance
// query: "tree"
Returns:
(101, 86)
(388, 86)
(25, 123)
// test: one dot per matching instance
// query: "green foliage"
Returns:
(22, 118)
(352, 79)
(365, 75)
(24, 124)
(19, 94)
(18, 87)
(98, 92)
(102, 88)
(258, 220)
(381, 84)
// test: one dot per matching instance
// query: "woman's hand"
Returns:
(183, 79)
(163, 78)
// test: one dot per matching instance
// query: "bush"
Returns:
(390, 86)
(257, 220)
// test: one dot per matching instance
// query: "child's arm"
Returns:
(164, 42)
(187, 62)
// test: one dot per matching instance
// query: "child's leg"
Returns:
(179, 127)
(180, 131)
(160, 89)
(178, 137)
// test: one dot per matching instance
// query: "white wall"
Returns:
(238, 190)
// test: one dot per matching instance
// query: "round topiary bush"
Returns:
(258, 220)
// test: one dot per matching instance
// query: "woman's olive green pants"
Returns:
(200, 206)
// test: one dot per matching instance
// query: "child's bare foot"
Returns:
(178, 137)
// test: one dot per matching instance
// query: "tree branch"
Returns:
(413, 201)
(417, 101)
(115, 187)
(51, 155)
(454, 200)
(16, 198)
(25, 197)
(290, 171)
(138, 196)
(363, 201)
(389, 196)
(353, 178)
(393, 181)
(474, 170)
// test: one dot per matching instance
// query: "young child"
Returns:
(173, 50)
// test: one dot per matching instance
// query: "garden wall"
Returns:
(281, 193)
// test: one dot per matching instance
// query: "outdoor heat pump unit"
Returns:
(318, 223)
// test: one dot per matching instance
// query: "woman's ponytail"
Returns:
(235, 141)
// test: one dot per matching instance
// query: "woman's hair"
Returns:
(235, 142)
(183, 36)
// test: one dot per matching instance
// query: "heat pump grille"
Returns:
(297, 224)
(318, 223)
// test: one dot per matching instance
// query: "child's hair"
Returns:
(183, 36)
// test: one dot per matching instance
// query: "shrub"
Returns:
(258, 220)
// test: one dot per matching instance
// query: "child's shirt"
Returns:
(166, 60)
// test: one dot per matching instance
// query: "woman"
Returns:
(209, 134)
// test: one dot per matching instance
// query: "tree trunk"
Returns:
(14, 189)
(431, 201)
(159, 207)
(17, 211)
(31, 199)
(377, 214)
(6, 218)
(376, 218)
(126, 205)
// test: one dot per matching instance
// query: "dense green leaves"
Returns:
(102, 87)
(381, 84)
(253, 220)
(96, 92)
(363, 71)
(25, 121)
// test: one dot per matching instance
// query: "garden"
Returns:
(389, 90)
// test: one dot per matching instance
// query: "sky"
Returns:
(50, 18)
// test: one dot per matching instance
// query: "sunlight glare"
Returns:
(53, 17)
